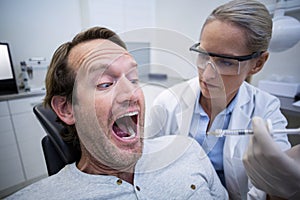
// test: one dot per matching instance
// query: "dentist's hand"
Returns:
(271, 170)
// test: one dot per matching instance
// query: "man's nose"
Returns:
(126, 90)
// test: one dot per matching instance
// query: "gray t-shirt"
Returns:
(172, 167)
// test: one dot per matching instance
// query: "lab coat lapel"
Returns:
(240, 117)
(234, 145)
(187, 102)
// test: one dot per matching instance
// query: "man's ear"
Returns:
(259, 63)
(63, 109)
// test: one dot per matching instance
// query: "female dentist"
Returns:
(233, 45)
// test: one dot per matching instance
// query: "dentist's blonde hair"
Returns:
(252, 16)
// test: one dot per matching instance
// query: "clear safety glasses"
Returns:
(223, 64)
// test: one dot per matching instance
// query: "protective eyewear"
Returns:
(223, 64)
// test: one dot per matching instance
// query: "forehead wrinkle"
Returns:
(83, 52)
(103, 68)
(106, 60)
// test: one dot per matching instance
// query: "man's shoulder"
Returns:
(45, 188)
(171, 150)
(181, 160)
(173, 141)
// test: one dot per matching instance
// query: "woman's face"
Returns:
(223, 38)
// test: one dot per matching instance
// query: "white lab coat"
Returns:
(172, 113)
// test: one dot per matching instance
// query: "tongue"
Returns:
(121, 131)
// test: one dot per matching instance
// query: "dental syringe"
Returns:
(223, 132)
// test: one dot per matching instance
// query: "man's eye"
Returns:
(102, 86)
(134, 81)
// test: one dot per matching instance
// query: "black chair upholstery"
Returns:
(57, 153)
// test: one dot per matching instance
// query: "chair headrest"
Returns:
(47, 118)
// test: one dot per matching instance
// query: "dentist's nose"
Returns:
(209, 71)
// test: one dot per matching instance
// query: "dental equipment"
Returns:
(221, 132)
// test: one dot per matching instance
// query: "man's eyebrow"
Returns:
(98, 68)
(96, 72)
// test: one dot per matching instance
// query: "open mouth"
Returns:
(125, 126)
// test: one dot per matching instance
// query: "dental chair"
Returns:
(57, 153)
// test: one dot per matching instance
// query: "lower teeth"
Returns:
(132, 133)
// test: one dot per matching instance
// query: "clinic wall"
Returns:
(36, 28)
(281, 66)
(187, 18)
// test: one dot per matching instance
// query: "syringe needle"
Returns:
(228, 132)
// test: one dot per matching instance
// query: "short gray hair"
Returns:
(250, 15)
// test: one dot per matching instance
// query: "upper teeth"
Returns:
(128, 114)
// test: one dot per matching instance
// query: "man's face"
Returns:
(108, 103)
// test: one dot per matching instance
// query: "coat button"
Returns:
(193, 187)
(137, 188)
(119, 181)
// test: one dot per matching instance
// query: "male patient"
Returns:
(92, 85)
